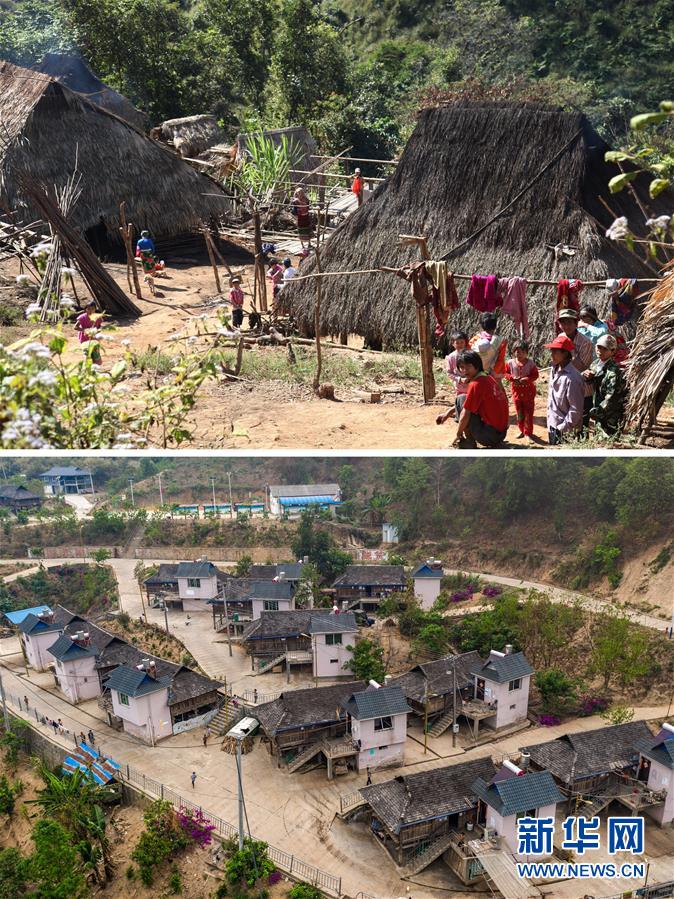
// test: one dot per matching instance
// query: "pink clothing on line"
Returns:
(514, 294)
(454, 374)
(482, 293)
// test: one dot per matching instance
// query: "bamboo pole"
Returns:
(317, 310)
(126, 231)
(259, 262)
(423, 326)
(211, 256)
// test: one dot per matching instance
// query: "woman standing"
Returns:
(300, 207)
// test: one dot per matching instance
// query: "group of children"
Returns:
(583, 387)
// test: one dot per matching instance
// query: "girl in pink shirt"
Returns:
(459, 341)
(85, 324)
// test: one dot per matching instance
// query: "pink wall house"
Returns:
(427, 579)
(504, 680)
(141, 701)
(197, 580)
(378, 718)
(75, 667)
(271, 596)
(659, 756)
(331, 637)
(37, 633)
(514, 794)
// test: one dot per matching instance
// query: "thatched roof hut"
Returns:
(190, 135)
(76, 75)
(462, 164)
(650, 369)
(46, 128)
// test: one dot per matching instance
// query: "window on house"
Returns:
(334, 661)
(513, 706)
(333, 639)
(515, 684)
(194, 582)
(383, 723)
(123, 698)
(270, 605)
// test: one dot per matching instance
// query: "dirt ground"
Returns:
(278, 413)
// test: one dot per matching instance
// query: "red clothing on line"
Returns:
(488, 399)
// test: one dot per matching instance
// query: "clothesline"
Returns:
(459, 277)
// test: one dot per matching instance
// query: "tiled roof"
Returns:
(372, 703)
(21, 614)
(333, 623)
(134, 682)
(262, 572)
(505, 668)
(438, 677)
(64, 471)
(9, 491)
(271, 625)
(372, 576)
(304, 489)
(659, 749)
(167, 574)
(591, 753)
(426, 570)
(306, 708)
(202, 568)
(33, 624)
(271, 590)
(65, 649)
(413, 798)
(516, 794)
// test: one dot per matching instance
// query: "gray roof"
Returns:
(64, 471)
(271, 590)
(33, 624)
(516, 794)
(9, 491)
(439, 793)
(438, 676)
(660, 749)
(372, 576)
(504, 669)
(426, 570)
(591, 753)
(167, 574)
(306, 708)
(200, 568)
(373, 703)
(304, 489)
(271, 625)
(65, 649)
(134, 682)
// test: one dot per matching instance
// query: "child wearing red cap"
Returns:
(566, 392)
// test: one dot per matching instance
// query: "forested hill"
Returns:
(354, 70)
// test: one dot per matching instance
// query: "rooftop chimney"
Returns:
(305, 560)
(525, 758)
(508, 649)
(152, 669)
(387, 679)
(281, 575)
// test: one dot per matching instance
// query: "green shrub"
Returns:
(222, 890)
(131, 873)
(249, 864)
(6, 797)
(161, 840)
(175, 884)
(304, 891)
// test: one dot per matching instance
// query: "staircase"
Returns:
(272, 663)
(225, 719)
(598, 803)
(304, 756)
(441, 725)
(429, 855)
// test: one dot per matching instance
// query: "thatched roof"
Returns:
(76, 75)
(190, 135)
(462, 164)
(46, 127)
(650, 369)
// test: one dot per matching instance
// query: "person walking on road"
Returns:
(369, 778)
(91, 737)
(193, 777)
(205, 738)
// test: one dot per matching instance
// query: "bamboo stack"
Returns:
(229, 745)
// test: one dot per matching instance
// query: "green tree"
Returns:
(53, 867)
(13, 883)
(618, 650)
(367, 662)
(558, 692)
(243, 566)
(491, 629)
(410, 497)
(101, 555)
(618, 714)
(432, 639)
(546, 628)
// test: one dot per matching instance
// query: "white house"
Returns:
(37, 634)
(427, 579)
(66, 479)
(503, 681)
(271, 596)
(378, 725)
(197, 580)
(389, 533)
(657, 760)
(514, 794)
(140, 699)
(75, 666)
(333, 637)
(293, 498)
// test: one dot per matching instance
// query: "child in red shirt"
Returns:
(522, 374)
(236, 299)
(85, 324)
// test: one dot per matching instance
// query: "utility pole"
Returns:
(213, 486)
(133, 501)
(166, 615)
(425, 717)
(231, 504)
(229, 633)
(454, 702)
(161, 492)
(5, 713)
(92, 485)
(240, 780)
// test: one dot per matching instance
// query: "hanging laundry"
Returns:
(425, 293)
(623, 299)
(483, 293)
(443, 281)
(568, 292)
(513, 294)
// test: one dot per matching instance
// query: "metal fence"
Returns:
(254, 697)
(290, 864)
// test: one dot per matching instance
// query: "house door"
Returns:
(479, 688)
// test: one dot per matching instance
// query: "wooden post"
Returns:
(259, 262)
(131, 269)
(423, 326)
(317, 310)
(211, 256)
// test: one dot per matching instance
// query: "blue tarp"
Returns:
(309, 501)
(20, 615)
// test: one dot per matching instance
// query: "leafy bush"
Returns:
(196, 826)
(12, 873)
(367, 662)
(591, 705)
(162, 839)
(6, 796)
(250, 863)
(175, 884)
(304, 891)
(549, 720)
(558, 692)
